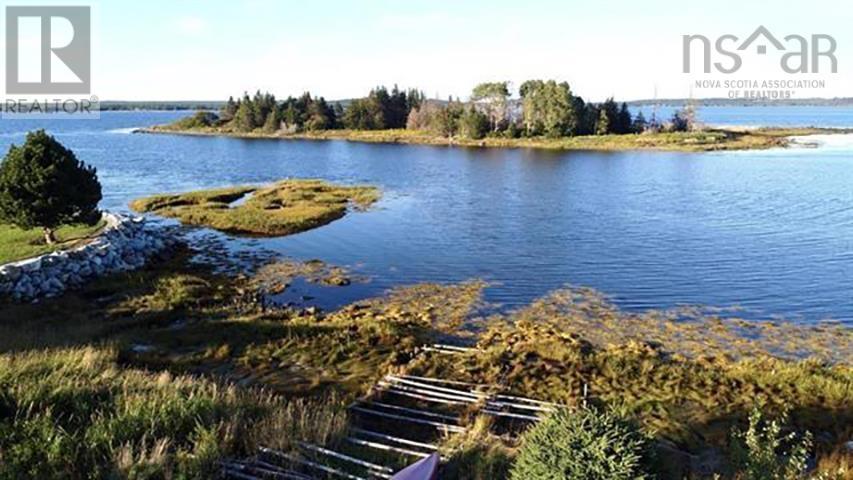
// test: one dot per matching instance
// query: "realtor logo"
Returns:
(800, 54)
(48, 50)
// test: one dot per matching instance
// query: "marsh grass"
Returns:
(283, 208)
(653, 368)
(18, 244)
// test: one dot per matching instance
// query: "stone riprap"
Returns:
(125, 243)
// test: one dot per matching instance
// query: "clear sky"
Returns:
(194, 49)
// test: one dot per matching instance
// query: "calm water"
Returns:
(770, 231)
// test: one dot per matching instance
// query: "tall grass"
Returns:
(76, 413)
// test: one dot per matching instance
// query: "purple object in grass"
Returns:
(426, 469)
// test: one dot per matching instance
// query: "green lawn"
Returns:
(17, 244)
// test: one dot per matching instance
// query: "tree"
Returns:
(548, 108)
(639, 125)
(679, 122)
(244, 117)
(360, 115)
(584, 445)
(446, 119)
(602, 126)
(495, 95)
(473, 123)
(42, 184)
(610, 108)
(228, 110)
(623, 120)
(273, 122)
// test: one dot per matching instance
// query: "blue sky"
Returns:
(195, 49)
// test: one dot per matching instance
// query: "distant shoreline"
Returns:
(719, 139)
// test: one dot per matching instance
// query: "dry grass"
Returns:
(283, 208)
(74, 413)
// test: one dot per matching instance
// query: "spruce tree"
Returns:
(42, 184)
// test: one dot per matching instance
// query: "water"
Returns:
(770, 231)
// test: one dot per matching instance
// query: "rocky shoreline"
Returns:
(126, 243)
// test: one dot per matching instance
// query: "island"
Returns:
(545, 115)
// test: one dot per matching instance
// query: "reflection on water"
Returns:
(769, 231)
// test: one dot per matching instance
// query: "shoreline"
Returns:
(715, 139)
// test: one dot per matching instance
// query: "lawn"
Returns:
(18, 244)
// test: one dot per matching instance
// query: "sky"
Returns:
(208, 50)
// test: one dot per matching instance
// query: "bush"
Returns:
(762, 453)
(584, 445)
(42, 184)
(198, 120)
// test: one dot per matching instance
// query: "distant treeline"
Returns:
(542, 108)
(161, 105)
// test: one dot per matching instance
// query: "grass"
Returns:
(709, 140)
(18, 244)
(75, 412)
(163, 368)
(282, 208)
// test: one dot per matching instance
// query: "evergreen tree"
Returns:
(42, 184)
(273, 122)
(446, 120)
(610, 108)
(586, 115)
(639, 125)
(602, 126)
(228, 110)
(473, 123)
(623, 122)
(244, 118)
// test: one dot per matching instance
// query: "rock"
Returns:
(125, 244)
(10, 272)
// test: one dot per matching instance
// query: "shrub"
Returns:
(586, 445)
(42, 184)
(762, 452)
(198, 120)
